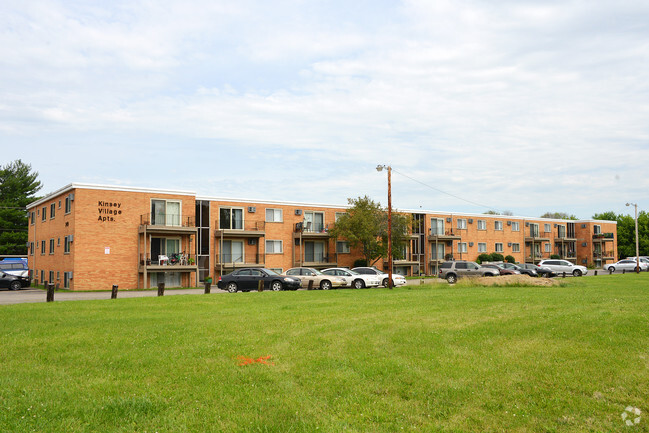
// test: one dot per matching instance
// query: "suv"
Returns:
(451, 271)
(561, 266)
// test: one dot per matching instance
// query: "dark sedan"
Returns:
(543, 272)
(522, 270)
(501, 269)
(247, 279)
(13, 282)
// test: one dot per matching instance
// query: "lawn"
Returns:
(427, 359)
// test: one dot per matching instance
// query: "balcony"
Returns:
(247, 229)
(234, 261)
(167, 224)
(448, 235)
(408, 260)
(310, 230)
(536, 237)
(168, 263)
(603, 237)
(603, 255)
(319, 261)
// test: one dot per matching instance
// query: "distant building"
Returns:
(89, 237)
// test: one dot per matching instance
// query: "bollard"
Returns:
(564, 275)
(208, 287)
(50, 291)
(595, 272)
(610, 271)
(113, 292)
(623, 271)
(260, 286)
(310, 286)
(161, 289)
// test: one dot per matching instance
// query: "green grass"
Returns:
(430, 358)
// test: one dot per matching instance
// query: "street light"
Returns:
(637, 249)
(380, 168)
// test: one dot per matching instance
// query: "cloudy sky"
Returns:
(525, 106)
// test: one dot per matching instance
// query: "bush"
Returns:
(360, 263)
(510, 259)
(484, 257)
(555, 256)
(497, 257)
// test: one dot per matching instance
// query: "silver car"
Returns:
(353, 278)
(561, 266)
(626, 265)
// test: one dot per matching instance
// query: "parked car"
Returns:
(451, 271)
(323, 281)
(626, 265)
(521, 270)
(541, 271)
(353, 278)
(247, 279)
(643, 259)
(15, 266)
(397, 279)
(501, 268)
(561, 266)
(13, 282)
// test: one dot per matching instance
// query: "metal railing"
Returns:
(176, 259)
(252, 226)
(319, 258)
(604, 236)
(166, 220)
(233, 259)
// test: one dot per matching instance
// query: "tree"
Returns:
(18, 186)
(493, 212)
(365, 226)
(626, 232)
(559, 216)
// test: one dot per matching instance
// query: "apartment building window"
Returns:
(42, 276)
(534, 230)
(315, 252)
(437, 252)
(461, 247)
(31, 248)
(516, 248)
(59, 208)
(274, 215)
(339, 214)
(274, 247)
(499, 247)
(68, 204)
(546, 228)
(342, 247)
(33, 217)
(548, 247)
(561, 231)
(232, 252)
(231, 218)
(498, 225)
(66, 244)
(461, 224)
(51, 277)
(52, 210)
(482, 247)
(44, 213)
(314, 221)
(66, 280)
(436, 226)
(42, 247)
(516, 226)
(51, 246)
(482, 224)
(165, 212)
(597, 229)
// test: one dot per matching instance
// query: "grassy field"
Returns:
(425, 359)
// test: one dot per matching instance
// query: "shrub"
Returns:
(555, 256)
(510, 259)
(484, 257)
(497, 257)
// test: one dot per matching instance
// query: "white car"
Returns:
(354, 279)
(626, 265)
(561, 266)
(397, 280)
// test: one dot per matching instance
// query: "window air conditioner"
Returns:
(71, 199)
(509, 244)
(470, 220)
(252, 241)
(448, 220)
(527, 224)
(470, 244)
(252, 209)
(298, 211)
(509, 223)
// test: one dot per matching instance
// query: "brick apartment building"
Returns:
(86, 237)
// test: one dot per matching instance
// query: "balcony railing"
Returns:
(319, 258)
(238, 259)
(247, 226)
(602, 254)
(311, 227)
(604, 236)
(166, 220)
(179, 259)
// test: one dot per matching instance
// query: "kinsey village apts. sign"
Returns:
(108, 210)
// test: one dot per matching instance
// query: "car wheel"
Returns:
(325, 285)
(276, 286)
(611, 268)
(15, 285)
(576, 273)
(358, 284)
(231, 287)
(385, 282)
(451, 278)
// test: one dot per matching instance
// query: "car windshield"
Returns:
(271, 272)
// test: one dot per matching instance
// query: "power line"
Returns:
(447, 193)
